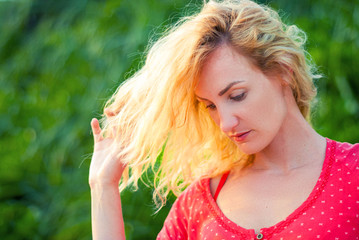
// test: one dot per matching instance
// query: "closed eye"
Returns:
(239, 97)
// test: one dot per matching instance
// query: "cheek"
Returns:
(275, 112)
(267, 109)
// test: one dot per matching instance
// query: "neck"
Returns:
(296, 145)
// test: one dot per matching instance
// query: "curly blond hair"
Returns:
(158, 122)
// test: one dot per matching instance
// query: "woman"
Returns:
(224, 100)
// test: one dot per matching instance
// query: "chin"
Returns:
(247, 148)
(250, 148)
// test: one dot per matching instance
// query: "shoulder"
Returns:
(183, 210)
(195, 197)
(347, 154)
(195, 191)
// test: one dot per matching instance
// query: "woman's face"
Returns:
(248, 106)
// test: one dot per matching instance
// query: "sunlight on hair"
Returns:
(159, 123)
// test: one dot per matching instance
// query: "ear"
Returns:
(286, 76)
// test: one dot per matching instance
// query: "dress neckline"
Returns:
(269, 231)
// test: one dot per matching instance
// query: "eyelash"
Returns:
(237, 98)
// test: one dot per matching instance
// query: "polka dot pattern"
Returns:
(330, 212)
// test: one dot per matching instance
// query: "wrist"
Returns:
(105, 193)
(103, 185)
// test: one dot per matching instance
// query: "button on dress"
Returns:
(330, 212)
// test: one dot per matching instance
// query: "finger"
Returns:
(109, 113)
(96, 130)
(111, 132)
(114, 131)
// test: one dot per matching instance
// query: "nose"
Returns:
(227, 120)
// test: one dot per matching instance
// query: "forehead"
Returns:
(222, 67)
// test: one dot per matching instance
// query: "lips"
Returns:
(239, 137)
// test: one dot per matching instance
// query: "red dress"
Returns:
(330, 212)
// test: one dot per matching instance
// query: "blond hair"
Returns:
(160, 125)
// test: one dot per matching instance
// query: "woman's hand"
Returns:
(105, 169)
(105, 173)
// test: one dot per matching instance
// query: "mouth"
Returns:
(239, 137)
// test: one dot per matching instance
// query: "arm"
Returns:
(106, 217)
(105, 174)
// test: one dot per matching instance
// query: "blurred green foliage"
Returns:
(61, 60)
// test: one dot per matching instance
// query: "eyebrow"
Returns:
(228, 87)
(222, 91)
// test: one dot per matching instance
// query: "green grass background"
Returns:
(61, 60)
